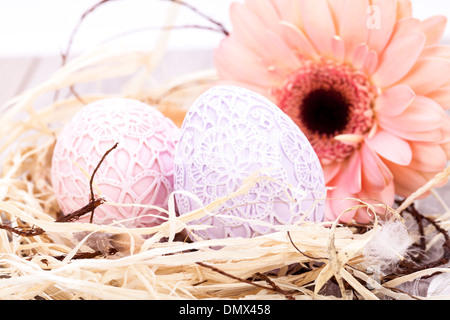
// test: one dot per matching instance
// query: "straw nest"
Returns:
(42, 258)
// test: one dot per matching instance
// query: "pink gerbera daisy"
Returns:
(366, 82)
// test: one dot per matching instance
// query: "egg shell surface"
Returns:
(139, 171)
(230, 133)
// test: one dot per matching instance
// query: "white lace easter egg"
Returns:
(139, 171)
(230, 134)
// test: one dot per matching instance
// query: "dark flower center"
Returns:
(327, 100)
(325, 111)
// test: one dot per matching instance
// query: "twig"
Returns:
(24, 232)
(77, 214)
(93, 174)
(273, 286)
(87, 255)
(203, 15)
(75, 30)
(301, 252)
(408, 267)
(93, 202)
(65, 54)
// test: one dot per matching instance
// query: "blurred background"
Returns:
(35, 33)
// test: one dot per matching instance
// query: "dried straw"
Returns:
(88, 261)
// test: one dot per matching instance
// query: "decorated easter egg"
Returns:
(138, 172)
(231, 135)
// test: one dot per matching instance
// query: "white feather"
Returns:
(388, 246)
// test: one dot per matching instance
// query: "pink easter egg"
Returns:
(139, 171)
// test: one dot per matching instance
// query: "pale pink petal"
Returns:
(297, 40)
(424, 136)
(385, 197)
(338, 202)
(345, 184)
(360, 56)
(428, 74)
(371, 62)
(446, 149)
(288, 12)
(247, 26)
(428, 157)
(353, 28)
(404, 9)
(231, 50)
(365, 59)
(405, 26)
(379, 35)
(436, 51)
(337, 10)
(441, 96)
(318, 24)
(331, 170)
(349, 177)
(422, 115)
(434, 28)
(338, 48)
(351, 174)
(406, 179)
(266, 12)
(393, 101)
(391, 147)
(394, 63)
(375, 175)
(274, 48)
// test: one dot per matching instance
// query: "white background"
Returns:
(32, 27)
(34, 33)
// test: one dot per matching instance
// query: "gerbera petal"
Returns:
(446, 149)
(394, 64)
(297, 40)
(419, 78)
(428, 157)
(385, 196)
(318, 24)
(404, 9)
(247, 26)
(391, 147)
(394, 100)
(424, 136)
(266, 12)
(375, 174)
(434, 28)
(407, 180)
(331, 170)
(228, 51)
(276, 48)
(379, 37)
(348, 179)
(338, 48)
(287, 9)
(337, 10)
(441, 96)
(352, 174)
(360, 56)
(339, 200)
(436, 51)
(422, 115)
(353, 25)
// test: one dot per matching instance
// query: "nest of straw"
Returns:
(41, 258)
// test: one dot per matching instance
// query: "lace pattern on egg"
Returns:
(214, 160)
(140, 170)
